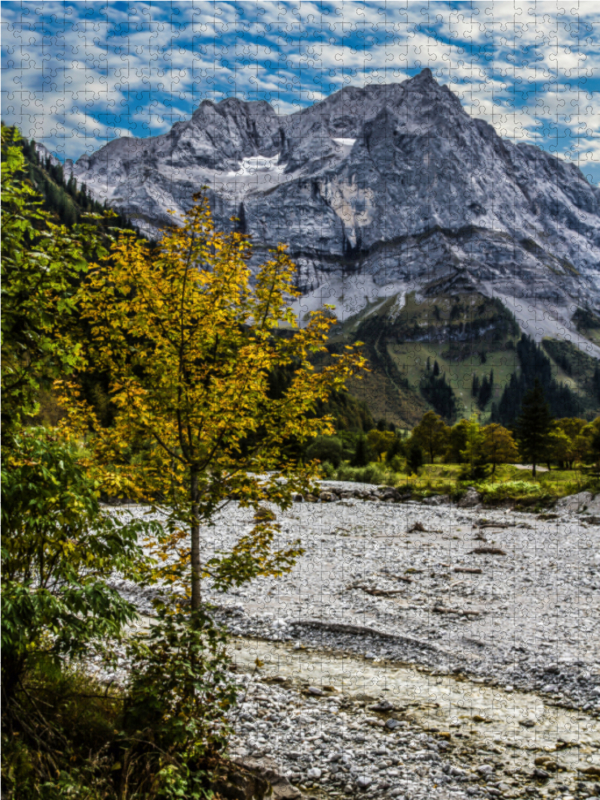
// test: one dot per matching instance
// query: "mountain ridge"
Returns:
(378, 191)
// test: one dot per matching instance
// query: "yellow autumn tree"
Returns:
(498, 446)
(191, 338)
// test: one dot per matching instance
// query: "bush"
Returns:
(510, 489)
(58, 549)
(176, 705)
(70, 737)
(328, 470)
(372, 473)
(325, 448)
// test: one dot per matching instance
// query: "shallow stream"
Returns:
(522, 724)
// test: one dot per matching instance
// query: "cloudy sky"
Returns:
(77, 74)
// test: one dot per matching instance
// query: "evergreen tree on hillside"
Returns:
(64, 199)
(534, 425)
(534, 365)
(439, 393)
(414, 458)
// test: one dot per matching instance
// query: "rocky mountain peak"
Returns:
(394, 182)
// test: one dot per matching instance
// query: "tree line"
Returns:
(65, 199)
(536, 438)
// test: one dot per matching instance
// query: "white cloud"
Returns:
(152, 63)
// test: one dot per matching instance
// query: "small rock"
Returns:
(314, 690)
(591, 770)
(547, 763)
(314, 774)
(392, 724)
(540, 774)
(364, 781)
(384, 705)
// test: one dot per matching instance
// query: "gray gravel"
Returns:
(371, 583)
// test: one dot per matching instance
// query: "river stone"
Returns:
(392, 724)
(575, 503)
(471, 499)
(268, 770)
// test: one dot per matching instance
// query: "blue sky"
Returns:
(78, 74)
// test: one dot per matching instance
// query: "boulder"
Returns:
(471, 499)
(436, 500)
(575, 503)
(239, 782)
(267, 770)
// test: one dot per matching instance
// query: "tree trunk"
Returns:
(196, 564)
(533, 470)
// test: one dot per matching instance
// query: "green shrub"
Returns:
(176, 705)
(372, 473)
(509, 489)
(325, 448)
(58, 549)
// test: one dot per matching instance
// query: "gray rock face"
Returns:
(396, 182)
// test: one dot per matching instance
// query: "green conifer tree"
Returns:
(533, 426)
(362, 454)
(414, 459)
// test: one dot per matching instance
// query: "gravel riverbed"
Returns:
(489, 598)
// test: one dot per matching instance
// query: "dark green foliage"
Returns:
(64, 199)
(67, 736)
(325, 448)
(174, 714)
(475, 386)
(579, 364)
(438, 393)
(397, 448)
(349, 413)
(414, 458)
(58, 548)
(586, 320)
(533, 425)
(534, 365)
(595, 446)
(362, 453)
(484, 392)
(458, 442)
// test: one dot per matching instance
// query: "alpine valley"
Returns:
(445, 248)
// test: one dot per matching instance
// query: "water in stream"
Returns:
(522, 722)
